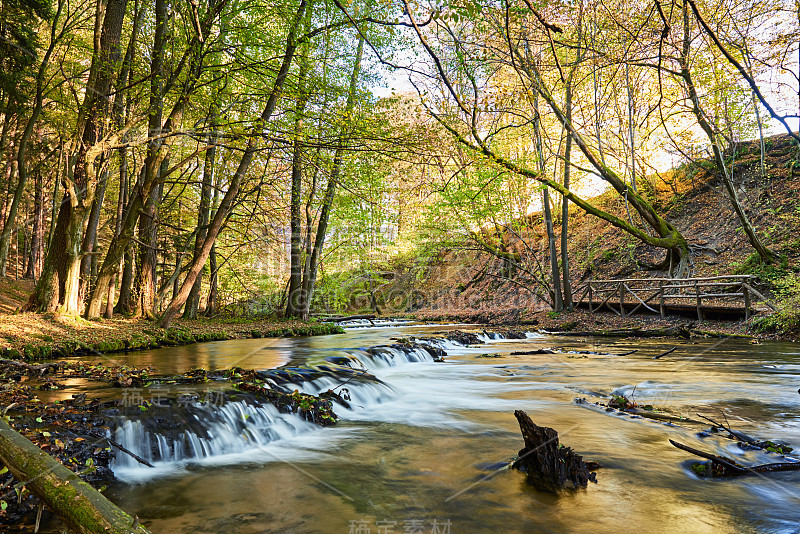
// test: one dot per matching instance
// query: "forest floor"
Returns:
(35, 336)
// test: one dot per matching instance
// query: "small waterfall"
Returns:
(490, 336)
(358, 393)
(442, 343)
(198, 431)
(185, 432)
(393, 355)
(378, 323)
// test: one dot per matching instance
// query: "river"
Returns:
(423, 452)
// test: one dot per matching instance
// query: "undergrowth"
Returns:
(784, 281)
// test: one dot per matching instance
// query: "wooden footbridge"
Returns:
(718, 297)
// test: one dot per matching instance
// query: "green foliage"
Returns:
(784, 280)
(776, 448)
(787, 297)
(18, 42)
(700, 469)
(772, 274)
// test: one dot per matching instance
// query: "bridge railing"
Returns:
(656, 294)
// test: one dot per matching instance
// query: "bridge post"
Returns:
(699, 303)
(622, 299)
(661, 298)
(591, 297)
(746, 295)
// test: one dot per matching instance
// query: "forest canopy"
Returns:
(170, 158)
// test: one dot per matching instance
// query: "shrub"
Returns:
(787, 319)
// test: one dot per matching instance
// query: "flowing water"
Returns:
(422, 449)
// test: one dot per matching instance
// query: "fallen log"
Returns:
(645, 412)
(750, 442)
(722, 466)
(554, 351)
(40, 369)
(547, 465)
(683, 332)
(81, 507)
(735, 433)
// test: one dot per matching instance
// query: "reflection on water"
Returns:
(427, 448)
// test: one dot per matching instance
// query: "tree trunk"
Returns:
(125, 263)
(212, 303)
(54, 205)
(61, 277)
(203, 217)
(719, 158)
(148, 242)
(565, 264)
(121, 200)
(295, 301)
(558, 303)
(631, 126)
(330, 191)
(148, 230)
(90, 237)
(125, 303)
(226, 205)
(295, 257)
(34, 264)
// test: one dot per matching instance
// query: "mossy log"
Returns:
(81, 507)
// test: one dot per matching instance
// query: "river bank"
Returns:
(34, 336)
(602, 324)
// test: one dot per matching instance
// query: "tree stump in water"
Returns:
(548, 465)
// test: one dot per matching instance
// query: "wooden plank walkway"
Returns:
(730, 296)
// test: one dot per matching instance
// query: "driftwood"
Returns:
(40, 369)
(670, 351)
(121, 448)
(722, 466)
(554, 351)
(629, 407)
(549, 466)
(749, 442)
(81, 507)
(531, 352)
(735, 433)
